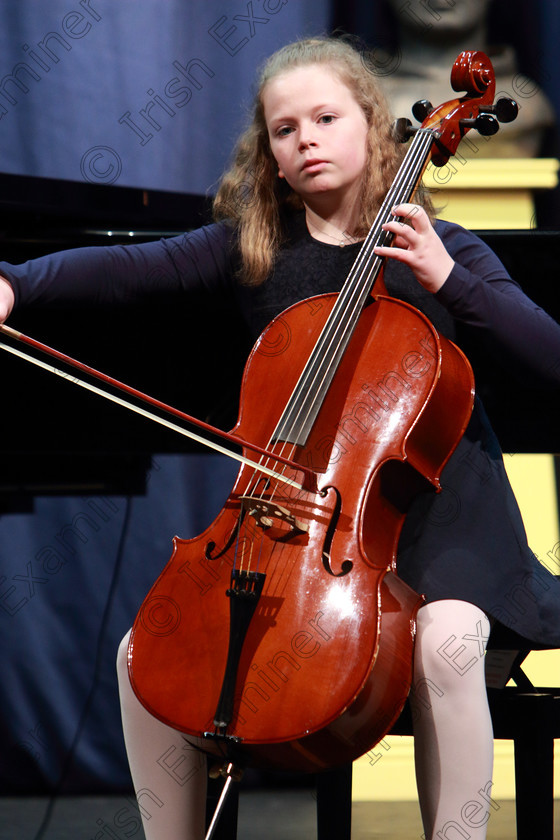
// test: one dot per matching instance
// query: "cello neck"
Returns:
(305, 402)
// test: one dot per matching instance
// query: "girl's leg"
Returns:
(168, 774)
(453, 738)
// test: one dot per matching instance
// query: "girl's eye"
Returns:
(327, 119)
(283, 131)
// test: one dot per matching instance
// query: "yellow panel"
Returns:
(386, 773)
(489, 193)
(492, 173)
(488, 210)
(533, 481)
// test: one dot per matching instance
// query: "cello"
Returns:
(282, 635)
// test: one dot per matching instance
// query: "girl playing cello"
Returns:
(320, 156)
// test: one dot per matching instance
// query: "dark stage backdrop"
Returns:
(530, 28)
(139, 93)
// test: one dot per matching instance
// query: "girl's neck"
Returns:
(335, 228)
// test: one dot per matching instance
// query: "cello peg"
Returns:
(485, 123)
(421, 109)
(506, 110)
(403, 129)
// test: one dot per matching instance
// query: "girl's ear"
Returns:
(281, 174)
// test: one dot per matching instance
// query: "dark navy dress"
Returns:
(468, 542)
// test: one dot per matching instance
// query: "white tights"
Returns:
(453, 741)
(169, 775)
(452, 736)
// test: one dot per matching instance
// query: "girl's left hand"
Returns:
(417, 245)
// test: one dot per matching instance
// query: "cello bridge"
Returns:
(273, 518)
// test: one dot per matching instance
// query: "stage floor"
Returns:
(271, 814)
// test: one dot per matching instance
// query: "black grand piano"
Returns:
(58, 439)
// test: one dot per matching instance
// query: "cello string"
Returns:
(355, 290)
(351, 296)
(350, 301)
(127, 389)
(259, 468)
(403, 187)
(404, 183)
(150, 416)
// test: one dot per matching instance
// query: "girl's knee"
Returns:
(450, 646)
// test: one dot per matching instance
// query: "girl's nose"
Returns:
(306, 141)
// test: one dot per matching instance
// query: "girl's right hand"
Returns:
(6, 299)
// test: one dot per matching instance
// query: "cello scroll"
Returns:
(472, 72)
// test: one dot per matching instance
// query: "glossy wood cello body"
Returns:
(282, 635)
(331, 635)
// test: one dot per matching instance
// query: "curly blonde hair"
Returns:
(252, 196)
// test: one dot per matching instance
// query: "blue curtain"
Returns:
(73, 575)
(546, 64)
(137, 93)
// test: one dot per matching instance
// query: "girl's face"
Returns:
(318, 134)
